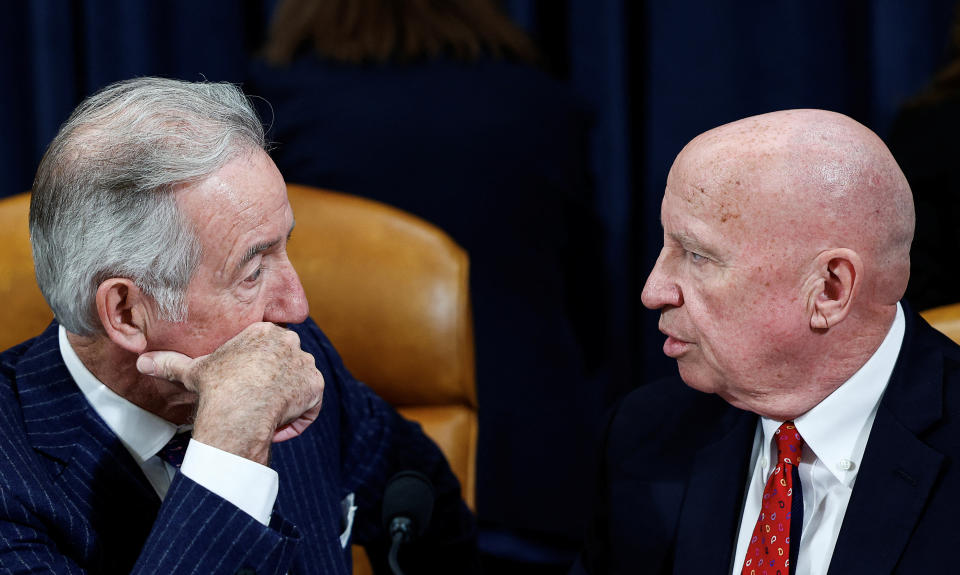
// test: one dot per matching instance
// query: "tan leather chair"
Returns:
(23, 312)
(946, 319)
(390, 290)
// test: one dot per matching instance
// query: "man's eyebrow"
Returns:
(260, 248)
(691, 243)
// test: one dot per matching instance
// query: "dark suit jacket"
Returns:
(674, 466)
(73, 500)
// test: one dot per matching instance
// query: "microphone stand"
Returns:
(401, 531)
(407, 507)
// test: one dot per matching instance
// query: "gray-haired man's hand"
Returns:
(258, 387)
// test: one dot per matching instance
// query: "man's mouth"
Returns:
(674, 346)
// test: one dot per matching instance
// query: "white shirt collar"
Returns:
(836, 429)
(142, 432)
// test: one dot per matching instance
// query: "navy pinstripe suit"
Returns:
(73, 500)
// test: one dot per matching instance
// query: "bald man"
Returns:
(812, 431)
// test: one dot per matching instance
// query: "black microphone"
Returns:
(407, 507)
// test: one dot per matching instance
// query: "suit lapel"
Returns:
(97, 477)
(892, 487)
(710, 515)
(898, 469)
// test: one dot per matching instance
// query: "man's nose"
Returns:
(288, 303)
(661, 290)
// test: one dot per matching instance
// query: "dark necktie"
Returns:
(770, 544)
(175, 449)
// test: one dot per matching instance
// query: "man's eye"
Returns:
(254, 276)
(696, 258)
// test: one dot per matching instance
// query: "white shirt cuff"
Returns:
(248, 485)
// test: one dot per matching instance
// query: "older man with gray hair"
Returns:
(815, 433)
(183, 414)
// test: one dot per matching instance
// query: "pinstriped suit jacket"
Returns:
(73, 500)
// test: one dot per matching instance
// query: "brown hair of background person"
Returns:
(946, 81)
(363, 31)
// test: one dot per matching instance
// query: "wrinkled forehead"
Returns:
(728, 179)
(242, 203)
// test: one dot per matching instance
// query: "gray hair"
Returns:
(102, 202)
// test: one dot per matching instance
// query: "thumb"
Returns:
(169, 365)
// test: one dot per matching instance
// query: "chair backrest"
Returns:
(24, 312)
(946, 319)
(391, 291)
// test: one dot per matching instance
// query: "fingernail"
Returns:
(145, 365)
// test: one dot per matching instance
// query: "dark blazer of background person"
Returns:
(75, 501)
(493, 151)
(681, 514)
(924, 140)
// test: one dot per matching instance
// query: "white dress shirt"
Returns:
(835, 434)
(248, 485)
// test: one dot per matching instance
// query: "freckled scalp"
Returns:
(819, 177)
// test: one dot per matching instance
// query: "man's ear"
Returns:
(123, 309)
(836, 281)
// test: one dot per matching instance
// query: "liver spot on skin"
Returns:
(727, 215)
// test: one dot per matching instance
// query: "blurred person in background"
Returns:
(924, 140)
(436, 107)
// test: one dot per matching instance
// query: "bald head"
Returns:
(786, 248)
(815, 179)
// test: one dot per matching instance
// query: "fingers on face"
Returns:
(290, 337)
(171, 366)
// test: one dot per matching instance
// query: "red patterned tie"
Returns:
(769, 551)
(175, 449)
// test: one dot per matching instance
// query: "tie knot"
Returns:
(175, 449)
(789, 444)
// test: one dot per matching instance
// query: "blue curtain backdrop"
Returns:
(703, 63)
(55, 52)
(655, 73)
